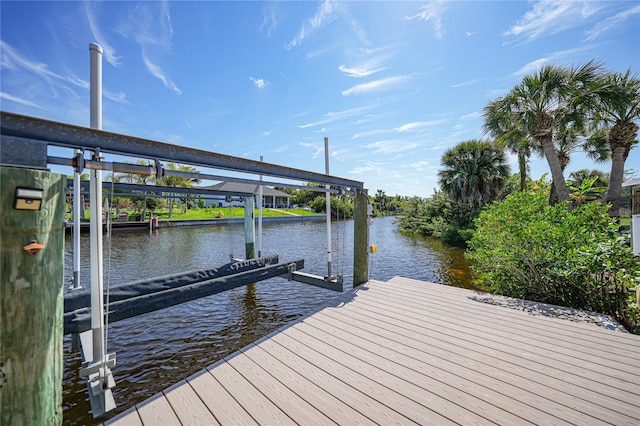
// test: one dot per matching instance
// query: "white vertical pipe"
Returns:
(249, 227)
(328, 206)
(260, 195)
(97, 277)
(96, 86)
(77, 210)
(635, 235)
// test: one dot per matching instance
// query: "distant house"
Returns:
(635, 194)
(271, 198)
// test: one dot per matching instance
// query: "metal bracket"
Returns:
(91, 367)
(291, 269)
(97, 155)
(159, 170)
(78, 162)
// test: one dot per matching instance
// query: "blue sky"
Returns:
(392, 84)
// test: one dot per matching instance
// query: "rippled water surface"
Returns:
(159, 349)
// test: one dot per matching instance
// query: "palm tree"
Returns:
(540, 104)
(381, 200)
(474, 173)
(178, 181)
(615, 115)
(580, 176)
(502, 126)
(140, 203)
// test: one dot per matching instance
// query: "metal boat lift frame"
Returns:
(24, 142)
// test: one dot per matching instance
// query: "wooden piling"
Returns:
(360, 239)
(31, 300)
(249, 228)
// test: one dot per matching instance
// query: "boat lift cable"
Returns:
(344, 239)
(230, 235)
(109, 245)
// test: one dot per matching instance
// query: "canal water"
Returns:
(159, 349)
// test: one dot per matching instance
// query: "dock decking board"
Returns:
(478, 370)
(227, 410)
(468, 337)
(376, 412)
(523, 339)
(462, 296)
(573, 332)
(479, 397)
(406, 351)
(463, 344)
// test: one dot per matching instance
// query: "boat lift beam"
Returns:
(77, 137)
(159, 171)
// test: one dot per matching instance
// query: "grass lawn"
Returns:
(209, 213)
(223, 212)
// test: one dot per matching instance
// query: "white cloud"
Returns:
(368, 167)
(419, 166)
(270, 20)
(375, 85)
(612, 22)
(327, 12)
(362, 70)
(470, 115)
(432, 11)
(339, 115)
(119, 97)
(554, 57)
(371, 61)
(466, 83)
(417, 125)
(21, 101)
(369, 133)
(531, 67)
(165, 23)
(317, 148)
(359, 31)
(149, 25)
(390, 146)
(158, 73)
(108, 50)
(551, 17)
(259, 82)
(11, 59)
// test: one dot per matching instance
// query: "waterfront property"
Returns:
(405, 351)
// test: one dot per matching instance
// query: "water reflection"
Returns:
(161, 348)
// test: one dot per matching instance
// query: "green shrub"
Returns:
(439, 217)
(527, 249)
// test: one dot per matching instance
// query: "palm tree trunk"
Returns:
(616, 177)
(556, 168)
(522, 164)
(170, 205)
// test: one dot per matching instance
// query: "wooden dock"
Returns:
(406, 351)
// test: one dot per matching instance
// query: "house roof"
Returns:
(247, 188)
(631, 182)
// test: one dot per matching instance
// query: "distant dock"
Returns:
(406, 351)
